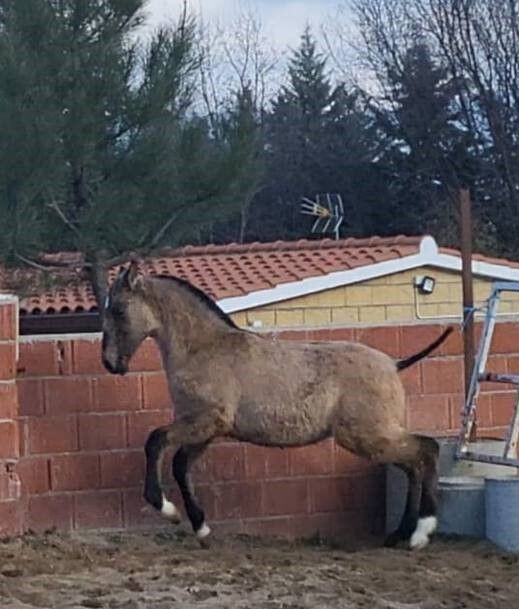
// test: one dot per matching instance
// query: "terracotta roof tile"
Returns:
(224, 271)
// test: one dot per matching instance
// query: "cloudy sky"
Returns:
(284, 20)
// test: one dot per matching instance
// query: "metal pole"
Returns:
(468, 295)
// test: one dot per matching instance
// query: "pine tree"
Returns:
(101, 151)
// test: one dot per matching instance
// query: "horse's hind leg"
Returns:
(419, 460)
(182, 461)
(427, 521)
(409, 520)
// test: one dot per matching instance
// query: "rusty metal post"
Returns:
(468, 294)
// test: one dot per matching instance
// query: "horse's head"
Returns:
(127, 319)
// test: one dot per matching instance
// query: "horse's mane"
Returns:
(202, 297)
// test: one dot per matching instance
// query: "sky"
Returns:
(284, 20)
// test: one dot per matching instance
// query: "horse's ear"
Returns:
(133, 277)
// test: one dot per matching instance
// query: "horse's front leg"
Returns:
(182, 462)
(195, 432)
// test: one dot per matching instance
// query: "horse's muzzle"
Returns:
(121, 367)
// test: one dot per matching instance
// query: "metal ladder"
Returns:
(479, 375)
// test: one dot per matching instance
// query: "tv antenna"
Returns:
(328, 210)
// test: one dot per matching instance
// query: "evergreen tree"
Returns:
(318, 140)
(100, 151)
(429, 153)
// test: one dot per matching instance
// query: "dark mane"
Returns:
(202, 297)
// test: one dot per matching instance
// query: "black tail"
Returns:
(409, 361)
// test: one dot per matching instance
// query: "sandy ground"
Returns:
(167, 570)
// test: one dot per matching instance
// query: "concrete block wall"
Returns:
(82, 460)
(76, 437)
(10, 487)
(392, 299)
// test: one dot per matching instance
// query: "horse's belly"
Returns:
(275, 425)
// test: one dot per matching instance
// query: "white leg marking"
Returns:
(203, 531)
(169, 510)
(424, 528)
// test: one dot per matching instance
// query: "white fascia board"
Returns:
(428, 255)
(311, 285)
(480, 268)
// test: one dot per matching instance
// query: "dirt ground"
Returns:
(167, 570)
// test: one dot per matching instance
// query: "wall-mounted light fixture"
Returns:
(425, 284)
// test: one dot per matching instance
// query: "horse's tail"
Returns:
(409, 361)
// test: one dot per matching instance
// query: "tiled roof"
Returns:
(225, 271)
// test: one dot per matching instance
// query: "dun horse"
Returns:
(226, 381)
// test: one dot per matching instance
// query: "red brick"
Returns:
(483, 411)
(429, 413)
(384, 338)
(502, 408)
(137, 513)
(9, 441)
(342, 334)
(155, 392)
(147, 358)
(412, 379)
(68, 394)
(291, 335)
(311, 460)
(497, 364)
(8, 400)
(30, 397)
(34, 475)
(140, 424)
(52, 435)
(102, 431)
(122, 469)
(235, 500)
(329, 494)
(285, 497)
(87, 357)
(8, 322)
(74, 472)
(505, 338)
(443, 376)
(11, 522)
(98, 510)
(323, 334)
(414, 338)
(512, 364)
(7, 361)
(10, 485)
(23, 435)
(206, 496)
(280, 526)
(265, 462)
(116, 393)
(54, 511)
(39, 358)
(221, 463)
(345, 462)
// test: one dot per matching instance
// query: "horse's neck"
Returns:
(187, 326)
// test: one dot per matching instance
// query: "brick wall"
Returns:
(82, 433)
(10, 507)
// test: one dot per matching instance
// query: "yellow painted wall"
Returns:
(388, 299)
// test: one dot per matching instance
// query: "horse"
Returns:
(226, 381)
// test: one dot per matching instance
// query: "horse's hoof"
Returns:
(170, 512)
(424, 529)
(204, 536)
(392, 540)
